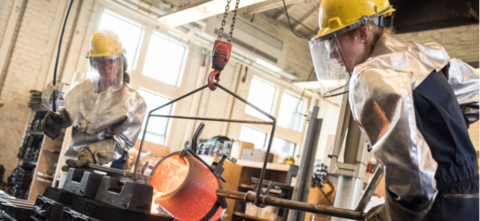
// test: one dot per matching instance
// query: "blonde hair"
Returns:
(375, 30)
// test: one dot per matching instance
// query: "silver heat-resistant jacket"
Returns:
(382, 104)
(116, 115)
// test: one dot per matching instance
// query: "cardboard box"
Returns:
(256, 155)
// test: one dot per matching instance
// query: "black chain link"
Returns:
(232, 26)
(233, 22)
(227, 8)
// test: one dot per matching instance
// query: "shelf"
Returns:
(30, 162)
(251, 188)
(44, 180)
(248, 217)
(51, 150)
(44, 175)
(39, 133)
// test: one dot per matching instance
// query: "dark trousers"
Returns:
(120, 163)
(457, 204)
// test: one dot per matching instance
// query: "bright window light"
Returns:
(157, 126)
(129, 32)
(308, 84)
(261, 94)
(282, 146)
(267, 65)
(252, 135)
(165, 59)
(291, 109)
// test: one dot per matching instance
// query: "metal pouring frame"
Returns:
(262, 199)
(257, 200)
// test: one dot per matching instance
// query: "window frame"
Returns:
(265, 142)
(140, 39)
(274, 99)
(305, 106)
(294, 148)
(169, 121)
(181, 73)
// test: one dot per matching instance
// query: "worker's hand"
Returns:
(377, 213)
(51, 125)
(100, 152)
(84, 157)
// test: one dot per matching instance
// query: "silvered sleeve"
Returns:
(126, 132)
(382, 104)
(465, 84)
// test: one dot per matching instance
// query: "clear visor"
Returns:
(106, 72)
(330, 66)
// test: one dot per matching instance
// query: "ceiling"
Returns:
(411, 15)
(303, 13)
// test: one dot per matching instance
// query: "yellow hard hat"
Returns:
(345, 15)
(105, 43)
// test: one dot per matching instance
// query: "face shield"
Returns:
(106, 72)
(332, 71)
(329, 61)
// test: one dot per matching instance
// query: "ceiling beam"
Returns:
(269, 5)
(305, 17)
(281, 13)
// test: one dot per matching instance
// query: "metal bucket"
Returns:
(185, 187)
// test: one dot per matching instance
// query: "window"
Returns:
(282, 146)
(252, 135)
(165, 59)
(290, 112)
(129, 32)
(157, 126)
(262, 94)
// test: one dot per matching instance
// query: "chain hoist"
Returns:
(222, 50)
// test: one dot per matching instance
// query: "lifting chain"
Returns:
(222, 50)
(227, 8)
(232, 26)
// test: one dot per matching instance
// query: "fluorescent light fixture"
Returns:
(308, 84)
(203, 11)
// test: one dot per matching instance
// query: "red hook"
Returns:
(213, 75)
(220, 56)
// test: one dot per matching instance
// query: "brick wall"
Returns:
(22, 74)
(5, 9)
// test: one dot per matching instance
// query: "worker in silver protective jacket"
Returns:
(413, 104)
(105, 112)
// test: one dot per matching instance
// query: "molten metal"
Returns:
(185, 187)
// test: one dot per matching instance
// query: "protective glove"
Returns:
(377, 213)
(53, 123)
(100, 152)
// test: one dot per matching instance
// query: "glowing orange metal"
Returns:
(185, 188)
